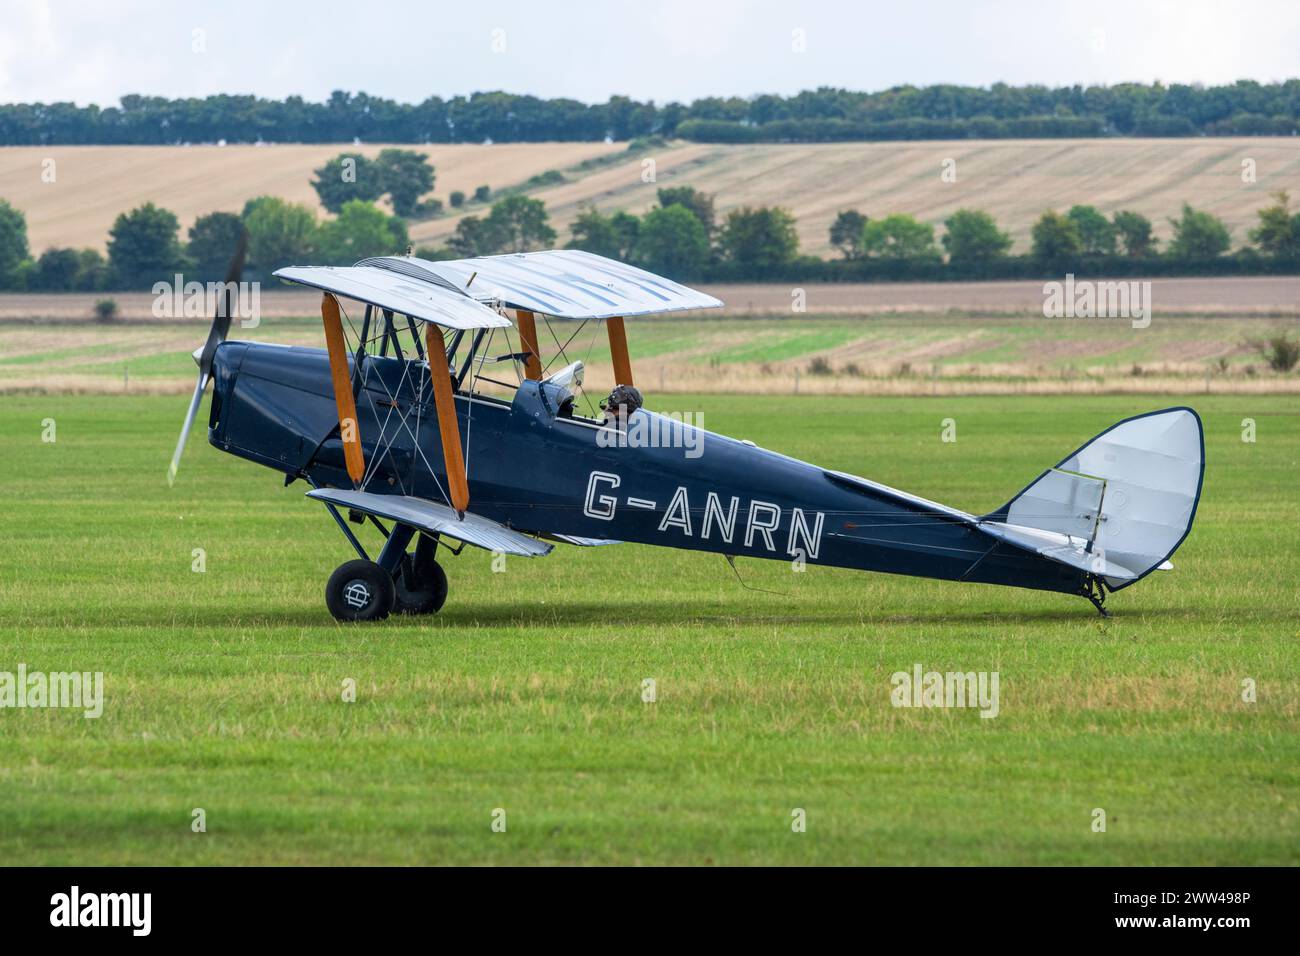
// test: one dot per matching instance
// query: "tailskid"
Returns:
(1094, 589)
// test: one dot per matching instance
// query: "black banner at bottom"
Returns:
(335, 905)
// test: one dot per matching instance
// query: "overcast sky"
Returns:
(97, 50)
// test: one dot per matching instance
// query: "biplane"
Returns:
(393, 426)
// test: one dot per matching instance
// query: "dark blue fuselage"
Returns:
(535, 470)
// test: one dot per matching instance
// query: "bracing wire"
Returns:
(402, 422)
(562, 354)
(469, 415)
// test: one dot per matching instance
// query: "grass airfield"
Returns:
(224, 688)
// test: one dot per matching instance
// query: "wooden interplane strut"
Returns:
(342, 379)
(618, 351)
(444, 402)
(528, 342)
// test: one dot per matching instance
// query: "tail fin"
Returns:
(1119, 506)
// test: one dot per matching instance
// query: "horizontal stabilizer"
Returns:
(1064, 548)
(433, 518)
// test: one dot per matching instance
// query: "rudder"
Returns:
(1120, 505)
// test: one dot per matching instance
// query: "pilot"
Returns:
(622, 402)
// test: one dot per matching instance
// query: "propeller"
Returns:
(203, 356)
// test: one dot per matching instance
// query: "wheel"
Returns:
(360, 591)
(421, 582)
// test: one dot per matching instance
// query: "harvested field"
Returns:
(95, 183)
(1015, 180)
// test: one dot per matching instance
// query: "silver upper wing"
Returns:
(423, 300)
(566, 283)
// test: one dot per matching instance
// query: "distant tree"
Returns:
(700, 204)
(143, 246)
(900, 237)
(758, 238)
(252, 204)
(1198, 235)
(360, 230)
(427, 208)
(521, 224)
(1281, 352)
(612, 236)
(405, 174)
(213, 239)
(346, 177)
(436, 253)
(68, 270)
(475, 236)
(92, 270)
(280, 233)
(1134, 232)
(592, 232)
(1096, 232)
(457, 199)
(673, 242)
(1055, 238)
(627, 228)
(482, 194)
(972, 235)
(57, 270)
(13, 241)
(846, 233)
(822, 115)
(1278, 232)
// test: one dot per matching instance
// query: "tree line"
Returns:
(682, 237)
(945, 111)
(145, 245)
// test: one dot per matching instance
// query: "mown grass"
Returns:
(224, 687)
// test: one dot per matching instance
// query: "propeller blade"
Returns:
(221, 321)
(216, 335)
(185, 429)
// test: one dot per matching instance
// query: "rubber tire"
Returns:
(380, 592)
(431, 585)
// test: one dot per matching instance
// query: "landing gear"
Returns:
(1095, 591)
(399, 582)
(360, 591)
(420, 581)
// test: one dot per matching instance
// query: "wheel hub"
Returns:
(356, 594)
